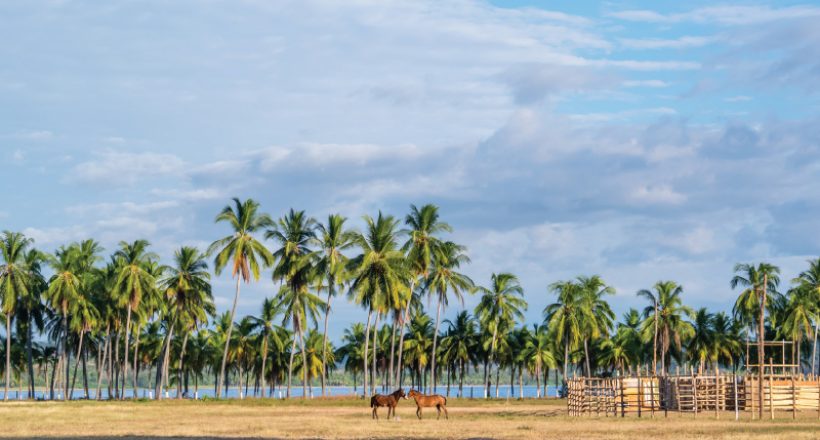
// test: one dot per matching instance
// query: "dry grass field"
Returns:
(348, 418)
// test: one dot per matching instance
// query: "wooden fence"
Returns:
(694, 394)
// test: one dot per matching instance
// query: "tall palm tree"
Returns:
(187, 289)
(701, 344)
(758, 282)
(461, 342)
(268, 332)
(799, 313)
(566, 317)
(30, 307)
(64, 289)
(351, 352)
(333, 238)
(14, 285)
(243, 252)
(84, 318)
(444, 279)
(667, 288)
(134, 281)
(379, 274)
(671, 316)
(423, 226)
(810, 279)
(501, 304)
(297, 268)
(299, 305)
(537, 353)
(601, 316)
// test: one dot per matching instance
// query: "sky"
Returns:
(636, 140)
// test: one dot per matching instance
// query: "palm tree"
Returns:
(701, 345)
(268, 332)
(133, 282)
(461, 343)
(187, 288)
(758, 282)
(566, 317)
(244, 253)
(84, 318)
(30, 308)
(333, 239)
(537, 353)
(299, 305)
(663, 318)
(379, 274)
(601, 316)
(64, 289)
(417, 343)
(14, 285)
(351, 351)
(444, 278)
(810, 280)
(501, 304)
(297, 268)
(800, 312)
(423, 227)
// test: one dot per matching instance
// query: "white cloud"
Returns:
(657, 194)
(726, 15)
(318, 155)
(657, 43)
(651, 83)
(35, 135)
(125, 168)
(739, 98)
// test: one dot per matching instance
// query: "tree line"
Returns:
(130, 313)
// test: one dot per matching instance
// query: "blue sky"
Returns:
(636, 140)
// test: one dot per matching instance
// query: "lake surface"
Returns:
(473, 391)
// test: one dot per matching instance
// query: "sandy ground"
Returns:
(347, 418)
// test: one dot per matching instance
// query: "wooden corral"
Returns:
(646, 396)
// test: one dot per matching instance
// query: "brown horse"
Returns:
(390, 401)
(422, 401)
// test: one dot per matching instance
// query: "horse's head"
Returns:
(400, 394)
(413, 393)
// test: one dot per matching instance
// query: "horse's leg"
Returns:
(418, 412)
(446, 416)
(390, 410)
(376, 412)
(438, 411)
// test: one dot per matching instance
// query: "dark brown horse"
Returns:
(390, 401)
(422, 401)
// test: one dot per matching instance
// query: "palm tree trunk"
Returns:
(655, 342)
(375, 350)
(330, 283)
(290, 364)
(136, 358)
(304, 365)
(67, 356)
(85, 375)
(8, 356)
(181, 364)
(390, 377)
(127, 341)
(492, 359)
(404, 321)
(366, 348)
(814, 352)
(101, 368)
(264, 361)
(166, 348)
(77, 362)
(435, 340)
(586, 358)
(566, 359)
(227, 341)
(760, 356)
(30, 357)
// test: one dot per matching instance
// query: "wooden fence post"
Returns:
(623, 406)
(771, 388)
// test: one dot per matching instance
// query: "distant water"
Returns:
(475, 392)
